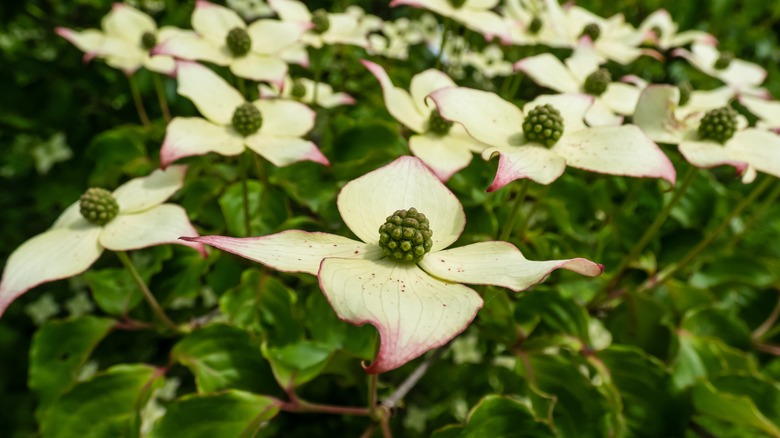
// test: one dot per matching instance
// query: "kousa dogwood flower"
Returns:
(742, 76)
(489, 62)
(131, 217)
(477, 15)
(539, 141)
(665, 33)
(302, 89)
(692, 102)
(399, 277)
(613, 38)
(442, 146)
(581, 73)
(125, 41)
(221, 37)
(767, 111)
(250, 9)
(273, 128)
(325, 28)
(536, 22)
(719, 137)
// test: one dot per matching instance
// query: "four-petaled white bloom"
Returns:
(615, 150)
(741, 76)
(258, 51)
(326, 97)
(278, 139)
(343, 28)
(477, 15)
(415, 306)
(571, 76)
(748, 150)
(73, 243)
(125, 42)
(444, 152)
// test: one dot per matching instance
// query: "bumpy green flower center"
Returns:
(457, 3)
(320, 21)
(406, 236)
(592, 30)
(298, 89)
(718, 125)
(543, 124)
(596, 83)
(98, 206)
(148, 40)
(247, 119)
(535, 26)
(686, 89)
(724, 60)
(437, 125)
(238, 41)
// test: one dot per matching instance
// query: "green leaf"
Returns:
(718, 323)
(117, 151)
(558, 315)
(501, 417)
(107, 405)
(114, 290)
(59, 350)
(223, 357)
(740, 409)
(743, 269)
(699, 357)
(232, 204)
(329, 331)
(296, 364)
(229, 414)
(641, 321)
(649, 407)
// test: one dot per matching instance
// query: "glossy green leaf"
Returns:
(107, 405)
(232, 413)
(296, 364)
(699, 357)
(224, 357)
(736, 408)
(113, 290)
(502, 417)
(643, 322)
(59, 350)
(558, 315)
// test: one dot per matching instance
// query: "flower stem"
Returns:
(373, 380)
(156, 308)
(317, 70)
(245, 192)
(758, 214)
(158, 86)
(139, 104)
(512, 218)
(653, 229)
(535, 206)
(708, 239)
(761, 330)
(444, 36)
(410, 382)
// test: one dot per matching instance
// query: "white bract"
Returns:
(748, 150)
(570, 77)
(343, 28)
(415, 306)
(477, 15)
(551, 22)
(73, 243)
(698, 101)
(741, 76)
(278, 138)
(326, 97)
(125, 41)
(767, 111)
(265, 44)
(615, 150)
(445, 151)
(665, 32)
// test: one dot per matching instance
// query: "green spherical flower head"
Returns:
(298, 90)
(724, 61)
(320, 21)
(437, 125)
(592, 30)
(148, 40)
(98, 206)
(596, 83)
(685, 88)
(719, 125)
(238, 41)
(535, 26)
(543, 124)
(457, 3)
(247, 119)
(406, 236)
